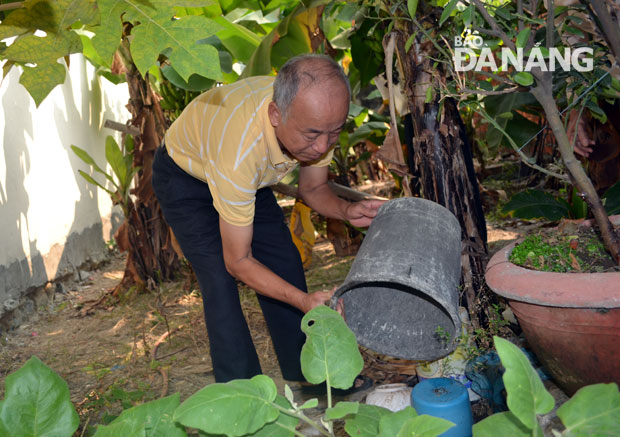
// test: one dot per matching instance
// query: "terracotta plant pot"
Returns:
(571, 320)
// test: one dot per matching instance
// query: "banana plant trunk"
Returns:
(145, 235)
(443, 161)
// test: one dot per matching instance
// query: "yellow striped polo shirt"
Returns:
(224, 138)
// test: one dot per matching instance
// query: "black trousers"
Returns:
(188, 208)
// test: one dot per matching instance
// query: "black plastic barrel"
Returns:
(401, 294)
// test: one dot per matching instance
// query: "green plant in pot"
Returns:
(593, 410)
(571, 320)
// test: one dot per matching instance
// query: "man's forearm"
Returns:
(323, 200)
(257, 276)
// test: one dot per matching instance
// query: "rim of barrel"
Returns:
(348, 286)
(389, 205)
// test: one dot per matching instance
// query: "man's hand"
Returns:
(319, 298)
(316, 299)
(360, 214)
(584, 140)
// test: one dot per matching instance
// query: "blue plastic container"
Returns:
(447, 399)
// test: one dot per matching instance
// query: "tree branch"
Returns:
(491, 93)
(131, 130)
(487, 17)
(9, 6)
(550, 23)
(609, 28)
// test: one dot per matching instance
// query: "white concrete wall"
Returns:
(51, 219)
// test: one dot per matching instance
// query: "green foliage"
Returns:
(593, 410)
(154, 31)
(122, 175)
(531, 204)
(365, 423)
(37, 403)
(289, 38)
(39, 55)
(390, 425)
(151, 419)
(611, 199)
(528, 396)
(235, 408)
(330, 353)
(534, 252)
(425, 426)
(248, 407)
(504, 109)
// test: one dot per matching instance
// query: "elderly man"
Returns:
(212, 179)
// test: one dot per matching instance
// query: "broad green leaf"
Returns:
(524, 78)
(530, 204)
(365, 423)
(153, 418)
(284, 426)
(593, 411)
(341, 409)
(365, 131)
(519, 128)
(290, 37)
(612, 199)
(160, 32)
(195, 83)
(39, 81)
(412, 7)
(240, 41)
(260, 61)
(425, 426)
(55, 19)
(596, 111)
(574, 31)
(366, 60)
(296, 41)
(527, 395)
(37, 403)
(522, 37)
(235, 408)
(114, 156)
(447, 11)
(506, 422)
(88, 50)
(124, 428)
(391, 424)
(154, 31)
(3, 430)
(330, 353)
(468, 15)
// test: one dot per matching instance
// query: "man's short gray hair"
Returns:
(306, 70)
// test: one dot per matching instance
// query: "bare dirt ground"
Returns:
(149, 344)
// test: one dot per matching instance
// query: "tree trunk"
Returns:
(443, 162)
(145, 235)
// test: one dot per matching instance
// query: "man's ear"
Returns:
(275, 116)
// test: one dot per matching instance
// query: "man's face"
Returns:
(314, 120)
